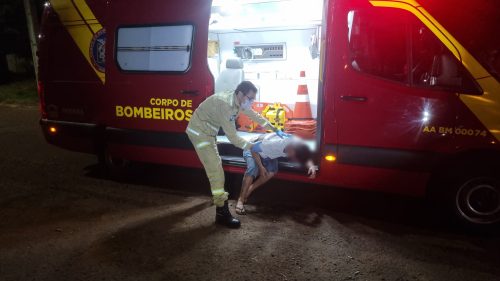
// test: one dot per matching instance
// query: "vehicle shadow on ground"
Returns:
(148, 246)
(304, 203)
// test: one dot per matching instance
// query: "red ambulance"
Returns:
(399, 104)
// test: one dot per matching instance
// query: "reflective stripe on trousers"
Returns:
(216, 130)
(206, 149)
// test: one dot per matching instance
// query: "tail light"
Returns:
(41, 96)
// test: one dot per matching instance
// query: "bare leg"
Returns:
(245, 186)
(259, 182)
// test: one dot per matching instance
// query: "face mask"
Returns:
(247, 104)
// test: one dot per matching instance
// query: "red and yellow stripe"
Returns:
(486, 107)
(82, 25)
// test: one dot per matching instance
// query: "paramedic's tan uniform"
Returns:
(219, 110)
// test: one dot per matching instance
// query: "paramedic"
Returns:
(221, 110)
(262, 162)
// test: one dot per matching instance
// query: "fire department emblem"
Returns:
(97, 50)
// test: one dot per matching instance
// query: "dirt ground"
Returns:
(60, 220)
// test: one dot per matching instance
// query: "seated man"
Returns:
(262, 162)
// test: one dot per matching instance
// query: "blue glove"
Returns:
(256, 147)
(282, 134)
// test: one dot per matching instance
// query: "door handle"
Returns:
(190, 92)
(354, 98)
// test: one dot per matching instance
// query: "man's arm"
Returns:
(255, 154)
(230, 130)
(259, 138)
(258, 160)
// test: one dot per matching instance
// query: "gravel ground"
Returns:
(60, 220)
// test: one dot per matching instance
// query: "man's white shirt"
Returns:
(273, 146)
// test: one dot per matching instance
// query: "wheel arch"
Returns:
(470, 161)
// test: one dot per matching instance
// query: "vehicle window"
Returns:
(154, 48)
(435, 66)
(378, 43)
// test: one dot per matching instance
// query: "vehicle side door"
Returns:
(157, 72)
(396, 105)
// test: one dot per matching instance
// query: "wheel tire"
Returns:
(113, 167)
(475, 200)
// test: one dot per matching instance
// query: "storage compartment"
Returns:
(276, 46)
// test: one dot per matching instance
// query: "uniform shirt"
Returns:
(273, 146)
(221, 110)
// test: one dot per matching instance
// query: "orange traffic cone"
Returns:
(302, 104)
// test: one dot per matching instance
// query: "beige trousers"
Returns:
(206, 149)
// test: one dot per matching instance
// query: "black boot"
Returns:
(224, 217)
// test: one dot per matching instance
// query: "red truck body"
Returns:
(376, 131)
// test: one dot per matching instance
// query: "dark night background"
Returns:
(14, 35)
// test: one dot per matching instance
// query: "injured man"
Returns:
(262, 162)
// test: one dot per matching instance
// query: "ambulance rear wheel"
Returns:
(112, 166)
(476, 200)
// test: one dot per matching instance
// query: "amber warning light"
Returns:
(330, 158)
(52, 129)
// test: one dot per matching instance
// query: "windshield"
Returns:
(475, 25)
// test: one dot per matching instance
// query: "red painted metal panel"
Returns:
(392, 116)
(137, 89)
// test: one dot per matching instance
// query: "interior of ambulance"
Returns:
(275, 45)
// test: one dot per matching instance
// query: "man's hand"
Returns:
(311, 171)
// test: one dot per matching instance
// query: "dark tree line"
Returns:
(14, 35)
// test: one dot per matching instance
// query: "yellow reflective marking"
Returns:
(202, 144)
(218, 191)
(485, 107)
(193, 131)
(88, 15)
(82, 34)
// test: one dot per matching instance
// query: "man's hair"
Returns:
(245, 87)
(302, 152)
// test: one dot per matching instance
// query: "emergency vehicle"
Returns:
(397, 103)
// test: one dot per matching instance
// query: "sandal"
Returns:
(240, 210)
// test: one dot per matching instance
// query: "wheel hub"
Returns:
(483, 200)
(478, 200)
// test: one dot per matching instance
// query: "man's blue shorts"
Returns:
(271, 165)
